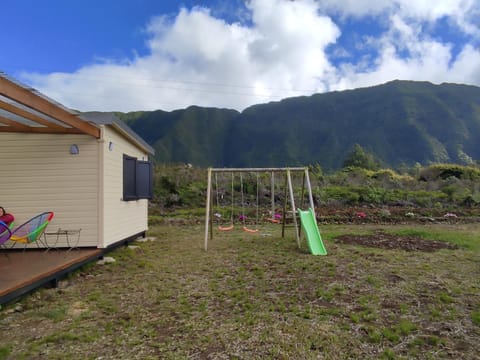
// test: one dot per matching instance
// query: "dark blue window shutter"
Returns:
(144, 187)
(129, 178)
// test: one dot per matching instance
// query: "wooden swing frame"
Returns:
(288, 188)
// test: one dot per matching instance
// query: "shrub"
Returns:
(444, 171)
(370, 194)
(340, 193)
(360, 158)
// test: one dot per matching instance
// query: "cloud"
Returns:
(196, 58)
(466, 66)
(406, 52)
(464, 13)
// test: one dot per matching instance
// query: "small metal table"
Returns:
(71, 235)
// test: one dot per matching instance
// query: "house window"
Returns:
(137, 179)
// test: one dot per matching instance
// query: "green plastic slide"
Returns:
(309, 224)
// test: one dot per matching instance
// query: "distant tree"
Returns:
(360, 158)
(464, 158)
(316, 170)
(416, 169)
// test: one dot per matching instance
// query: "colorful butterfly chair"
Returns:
(31, 231)
(5, 233)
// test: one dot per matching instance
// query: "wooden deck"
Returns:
(24, 271)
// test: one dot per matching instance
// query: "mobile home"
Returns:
(90, 169)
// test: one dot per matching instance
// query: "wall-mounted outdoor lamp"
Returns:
(74, 149)
(110, 146)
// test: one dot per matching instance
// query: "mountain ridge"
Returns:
(399, 122)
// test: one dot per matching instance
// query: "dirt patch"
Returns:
(395, 215)
(383, 240)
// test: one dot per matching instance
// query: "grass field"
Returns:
(259, 297)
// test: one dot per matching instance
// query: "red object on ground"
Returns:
(361, 215)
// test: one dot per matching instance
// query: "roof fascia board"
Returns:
(28, 98)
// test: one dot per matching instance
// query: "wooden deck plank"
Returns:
(24, 269)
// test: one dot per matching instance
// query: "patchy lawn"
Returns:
(257, 296)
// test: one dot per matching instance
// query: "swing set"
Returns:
(242, 217)
(307, 217)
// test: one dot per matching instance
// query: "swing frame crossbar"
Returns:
(288, 187)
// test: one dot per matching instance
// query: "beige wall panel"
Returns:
(121, 218)
(39, 174)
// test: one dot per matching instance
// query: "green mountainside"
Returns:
(400, 122)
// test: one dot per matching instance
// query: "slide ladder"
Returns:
(309, 224)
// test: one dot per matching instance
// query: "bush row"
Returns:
(180, 186)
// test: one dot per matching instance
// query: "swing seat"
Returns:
(251, 231)
(225, 228)
(274, 221)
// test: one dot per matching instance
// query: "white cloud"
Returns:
(466, 66)
(464, 13)
(357, 8)
(196, 58)
(406, 53)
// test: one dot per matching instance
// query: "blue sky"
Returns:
(150, 54)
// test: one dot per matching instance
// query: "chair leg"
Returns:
(44, 242)
(12, 245)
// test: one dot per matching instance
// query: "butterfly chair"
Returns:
(5, 233)
(31, 231)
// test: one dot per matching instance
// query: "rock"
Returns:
(150, 238)
(106, 260)
(63, 284)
